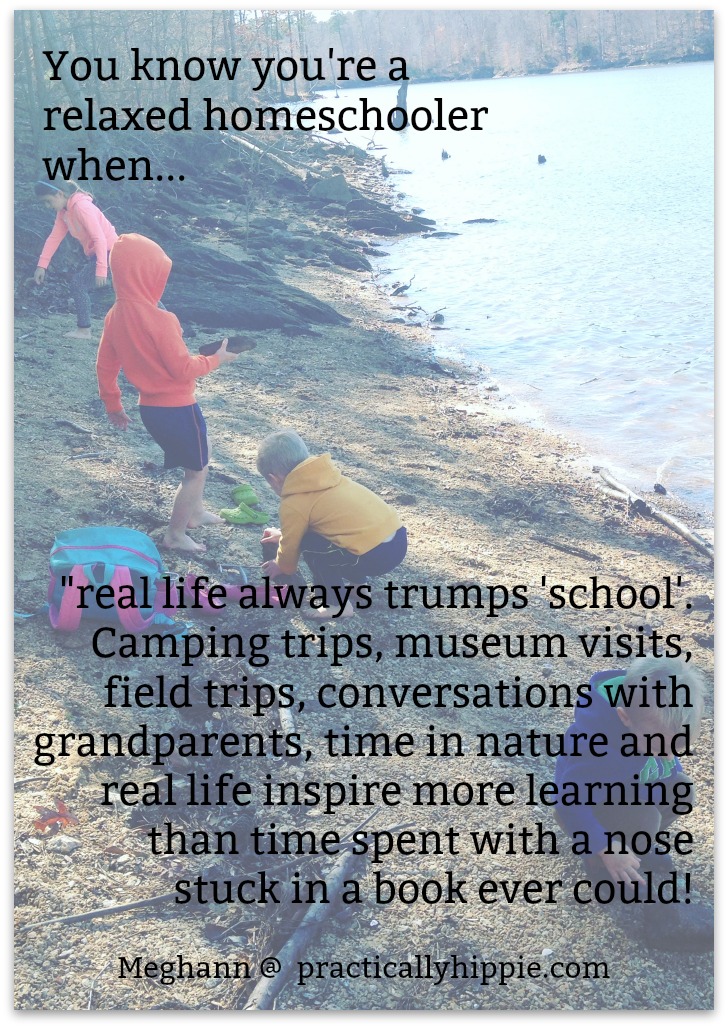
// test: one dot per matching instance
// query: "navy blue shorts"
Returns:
(182, 434)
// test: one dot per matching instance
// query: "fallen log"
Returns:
(640, 506)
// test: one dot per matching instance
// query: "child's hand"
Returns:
(120, 419)
(271, 535)
(622, 867)
(39, 276)
(223, 354)
(271, 568)
(101, 281)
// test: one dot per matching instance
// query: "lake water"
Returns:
(591, 297)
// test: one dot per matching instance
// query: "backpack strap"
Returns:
(66, 617)
(130, 618)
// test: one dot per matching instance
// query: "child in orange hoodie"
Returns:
(77, 215)
(146, 343)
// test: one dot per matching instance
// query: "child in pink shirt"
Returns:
(77, 214)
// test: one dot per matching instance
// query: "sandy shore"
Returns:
(485, 500)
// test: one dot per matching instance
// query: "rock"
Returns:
(346, 259)
(480, 221)
(660, 489)
(406, 499)
(436, 366)
(237, 294)
(541, 159)
(358, 204)
(265, 223)
(334, 189)
(63, 844)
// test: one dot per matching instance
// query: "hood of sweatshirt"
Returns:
(599, 715)
(77, 200)
(139, 269)
(312, 476)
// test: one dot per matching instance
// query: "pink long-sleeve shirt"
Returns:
(85, 222)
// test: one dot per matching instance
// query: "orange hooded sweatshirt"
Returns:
(140, 339)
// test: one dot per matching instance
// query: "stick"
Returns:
(573, 550)
(284, 713)
(62, 423)
(103, 912)
(350, 834)
(25, 781)
(286, 719)
(93, 985)
(136, 904)
(264, 994)
(99, 455)
(640, 506)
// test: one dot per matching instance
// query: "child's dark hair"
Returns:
(67, 187)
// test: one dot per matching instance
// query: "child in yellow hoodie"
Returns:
(343, 530)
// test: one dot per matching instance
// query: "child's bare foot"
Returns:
(183, 544)
(78, 333)
(205, 517)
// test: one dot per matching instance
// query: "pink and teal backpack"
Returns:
(100, 556)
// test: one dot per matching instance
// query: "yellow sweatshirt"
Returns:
(316, 497)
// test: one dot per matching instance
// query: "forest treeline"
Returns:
(129, 61)
(480, 44)
(435, 44)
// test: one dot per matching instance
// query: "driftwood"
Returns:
(640, 506)
(266, 155)
(264, 994)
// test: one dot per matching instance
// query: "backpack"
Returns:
(103, 555)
